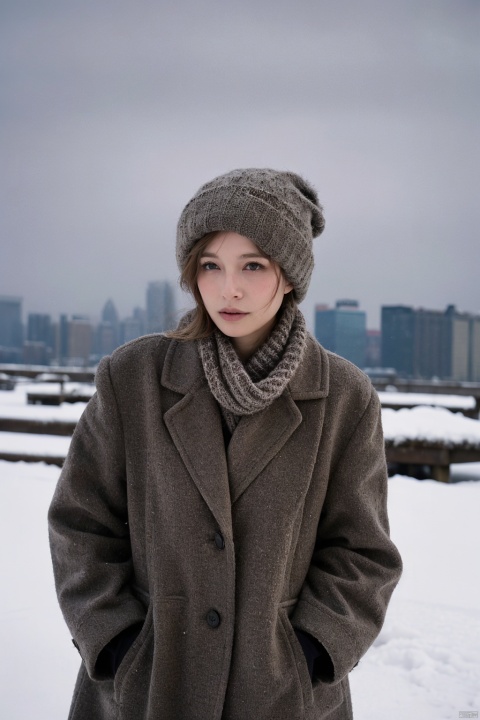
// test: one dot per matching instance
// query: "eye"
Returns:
(254, 266)
(208, 266)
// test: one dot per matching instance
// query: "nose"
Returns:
(231, 287)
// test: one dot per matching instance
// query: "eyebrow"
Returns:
(242, 257)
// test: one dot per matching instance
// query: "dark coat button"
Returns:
(219, 541)
(213, 618)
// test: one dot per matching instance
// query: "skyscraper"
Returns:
(398, 331)
(431, 344)
(80, 341)
(474, 363)
(11, 330)
(428, 344)
(40, 343)
(107, 334)
(459, 343)
(160, 306)
(39, 328)
(342, 330)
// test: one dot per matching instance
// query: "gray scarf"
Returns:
(246, 389)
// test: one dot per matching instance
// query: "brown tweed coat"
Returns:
(222, 554)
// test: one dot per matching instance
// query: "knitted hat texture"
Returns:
(278, 211)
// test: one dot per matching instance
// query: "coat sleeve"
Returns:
(88, 527)
(355, 566)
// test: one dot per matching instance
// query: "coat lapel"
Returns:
(257, 439)
(195, 427)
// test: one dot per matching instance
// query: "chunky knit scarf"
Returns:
(245, 389)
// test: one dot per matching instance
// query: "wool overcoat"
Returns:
(222, 553)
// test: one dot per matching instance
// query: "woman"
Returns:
(219, 532)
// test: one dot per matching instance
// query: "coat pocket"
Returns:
(324, 698)
(132, 675)
(150, 680)
(297, 657)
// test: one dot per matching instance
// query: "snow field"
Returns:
(426, 661)
(425, 664)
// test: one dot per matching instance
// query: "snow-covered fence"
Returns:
(57, 393)
(430, 436)
(434, 388)
(433, 437)
(466, 404)
(36, 433)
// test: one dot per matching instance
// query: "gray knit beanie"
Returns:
(278, 211)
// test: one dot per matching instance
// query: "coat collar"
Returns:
(195, 427)
(183, 372)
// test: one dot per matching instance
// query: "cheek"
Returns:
(264, 285)
(204, 285)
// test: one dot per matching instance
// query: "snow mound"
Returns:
(430, 425)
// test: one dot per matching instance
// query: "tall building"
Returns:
(474, 359)
(343, 330)
(373, 349)
(110, 314)
(160, 306)
(431, 346)
(40, 343)
(39, 328)
(11, 335)
(105, 340)
(459, 343)
(80, 341)
(11, 330)
(134, 326)
(431, 343)
(107, 333)
(62, 340)
(398, 333)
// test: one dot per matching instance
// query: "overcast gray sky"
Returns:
(114, 113)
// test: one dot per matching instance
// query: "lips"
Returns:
(232, 314)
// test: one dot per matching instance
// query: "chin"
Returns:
(230, 332)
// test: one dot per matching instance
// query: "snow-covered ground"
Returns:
(31, 444)
(452, 402)
(425, 663)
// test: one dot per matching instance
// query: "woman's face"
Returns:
(242, 290)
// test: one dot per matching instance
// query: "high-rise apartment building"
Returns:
(107, 333)
(474, 361)
(11, 322)
(62, 340)
(398, 330)
(39, 328)
(373, 349)
(80, 341)
(11, 330)
(459, 344)
(343, 330)
(40, 344)
(431, 344)
(428, 344)
(160, 306)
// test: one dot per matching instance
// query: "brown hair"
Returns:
(201, 324)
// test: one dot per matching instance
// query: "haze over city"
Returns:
(114, 115)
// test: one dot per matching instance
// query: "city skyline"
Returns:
(415, 342)
(183, 302)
